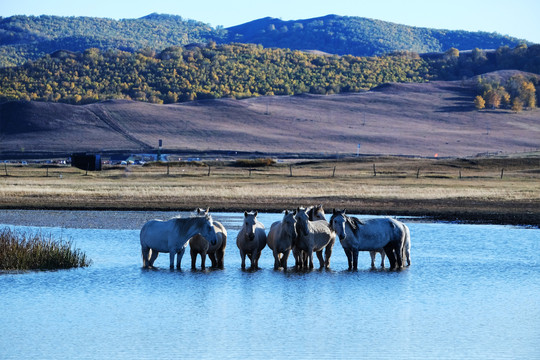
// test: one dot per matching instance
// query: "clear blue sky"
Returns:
(518, 18)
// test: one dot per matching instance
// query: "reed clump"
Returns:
(35, 251)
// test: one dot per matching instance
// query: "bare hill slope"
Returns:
(407, 119)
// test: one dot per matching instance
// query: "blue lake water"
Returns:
(472, 292)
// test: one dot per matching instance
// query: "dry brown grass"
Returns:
(447, 189)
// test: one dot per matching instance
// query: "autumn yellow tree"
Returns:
(517, 105)
(479, 102)
(528, 94)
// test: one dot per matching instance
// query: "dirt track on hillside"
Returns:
(402, 119)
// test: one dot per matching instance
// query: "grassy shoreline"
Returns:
(501, 191)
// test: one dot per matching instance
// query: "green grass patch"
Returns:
(35, 251)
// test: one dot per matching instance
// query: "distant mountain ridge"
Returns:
(347, 35)
(24, 38)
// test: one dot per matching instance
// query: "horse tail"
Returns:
(145, 250)
(407, 244)
(142, 234)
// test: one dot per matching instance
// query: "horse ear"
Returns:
(207, 210)
(344, 211)
(334, 211)
(256, 213)
(286, 212)
(245, 213)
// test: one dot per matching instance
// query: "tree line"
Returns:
(516, 93)
(213, 71)
(200, 72)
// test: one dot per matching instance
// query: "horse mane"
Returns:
(180, 223)
(353, 222)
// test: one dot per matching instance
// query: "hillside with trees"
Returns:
(213, 71)
(24, 38)
(179, 74)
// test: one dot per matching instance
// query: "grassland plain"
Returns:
(489, 190)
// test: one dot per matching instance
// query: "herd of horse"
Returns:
(303, 231)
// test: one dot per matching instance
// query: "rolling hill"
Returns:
(420, 119)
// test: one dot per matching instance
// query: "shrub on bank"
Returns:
(260, 162)
(35, 251)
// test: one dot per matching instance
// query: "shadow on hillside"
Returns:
(456, 108)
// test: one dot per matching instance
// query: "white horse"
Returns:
(281, 238)
(251, 239)
(372, 235)
(199, 245)
(171, 237)
(313, 236)
(317, 213)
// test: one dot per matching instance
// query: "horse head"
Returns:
(302, 219)
(337, 223)
(201, 211)
(316, 213)
(250, 224)
(208, 231)
(289, 223)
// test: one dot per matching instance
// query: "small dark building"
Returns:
(83, 161)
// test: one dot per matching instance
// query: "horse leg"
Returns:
(179, 257)
(203, 260)
(255, 260)
(213, 260)
(382, 258)
(277, 260)
(297, 260)
(327, 254)
(153, 256)
(193, 254)
(389, 250)
(321, 259)
(408, 256)
(310, 259)
(373, 254)
(355, 259)
(399, 251)
(243, 257)
(172, 254)
(221, 258)
(284, 259)
(145, 253)
(348, 252)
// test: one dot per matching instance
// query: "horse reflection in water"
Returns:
(372, 235)
(251, 240)
(171, 236)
